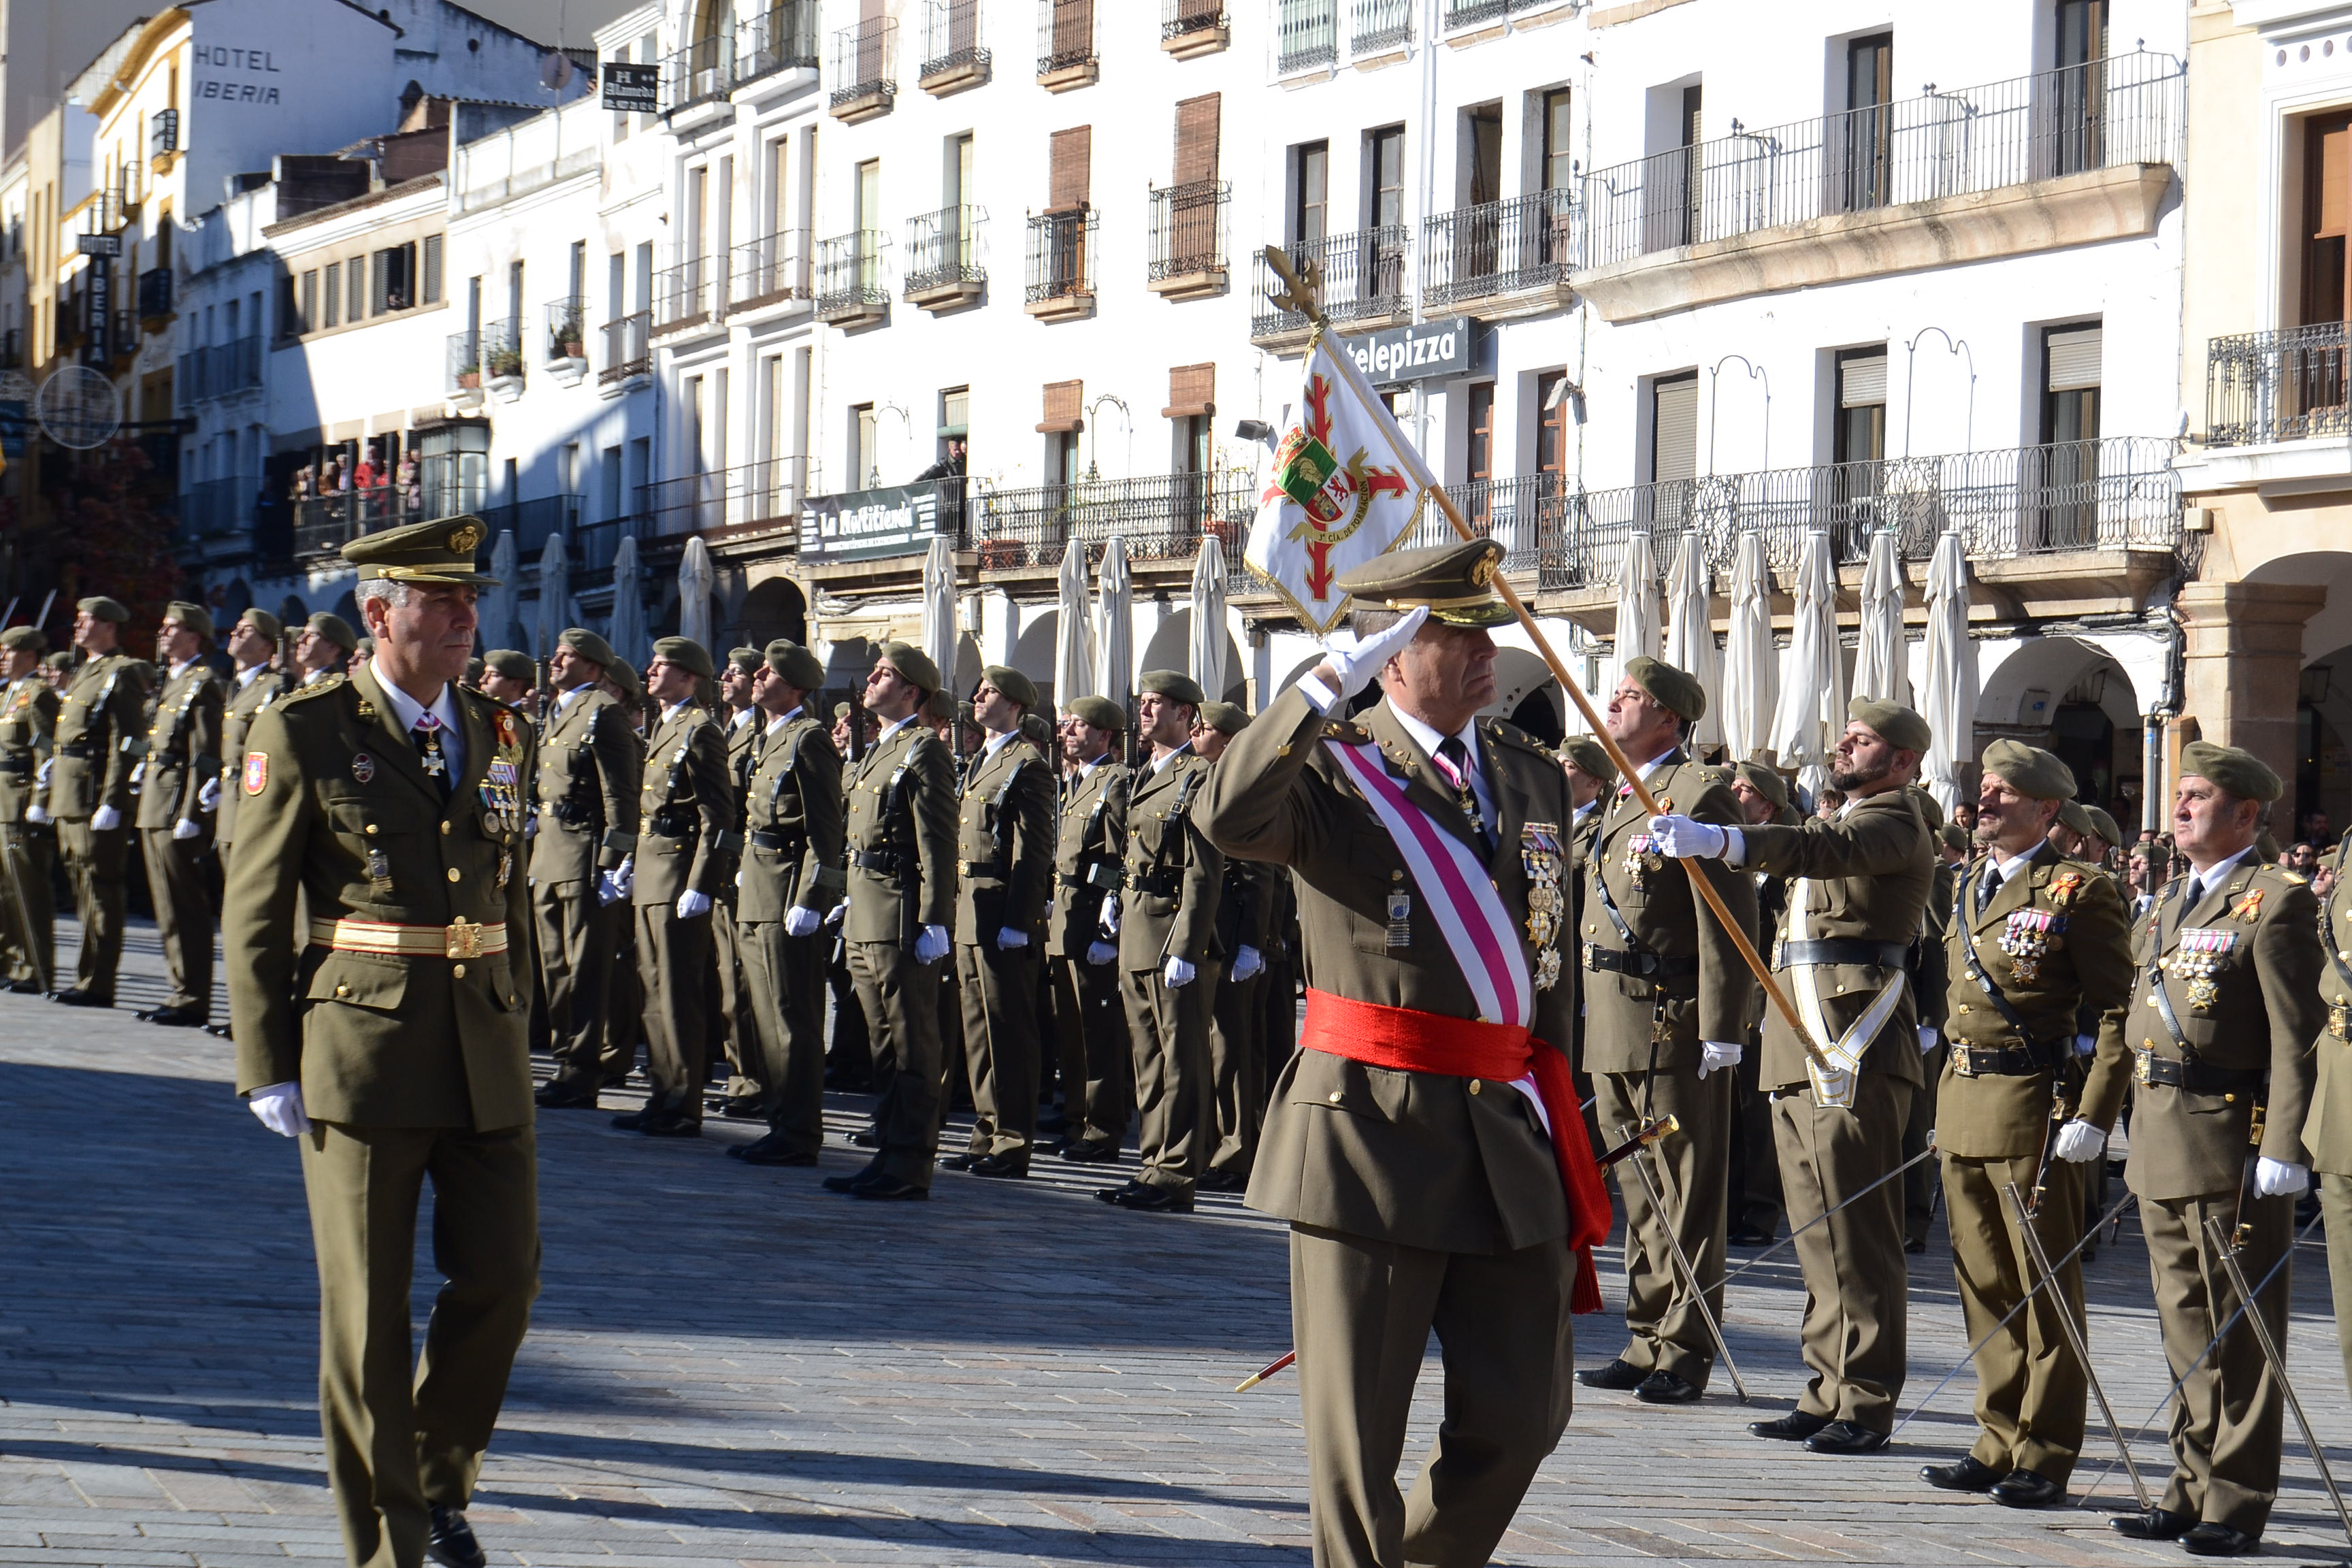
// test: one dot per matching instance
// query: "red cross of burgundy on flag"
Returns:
(1346, 487)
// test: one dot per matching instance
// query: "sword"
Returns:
(2228, 1248)
(1825, 1214)
(1690, 1277)
(2025, 1214)
(1649, 1134)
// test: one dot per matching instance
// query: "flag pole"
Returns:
(1299, 295)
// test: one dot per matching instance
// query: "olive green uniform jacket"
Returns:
(1086, 856)
(244, 705)
(590, 766)
(1173, 870)
(793, 819)
(184, 748)
(100, 738)
(28, 717)
(901, 836)
(687, 810)
(1004, 845)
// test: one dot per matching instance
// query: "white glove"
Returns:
(1247, 961)
(2277, 1179)
(931, 944)
(1100, 953)
(1359, 665)
(1713, 1055)
(2084, 1045)
(1007, 939)
(1928, 1038)
(1179, 973)
(186, 827)
(105, 819)
(1685, 839)
(279, 1105)
(692, 905)
(834, 917)
(801, 922)
(530, 825)
(1109, 919)
(208, 798)
(609, 891)
(36, 814)
(41, 775)
(2078, 1141)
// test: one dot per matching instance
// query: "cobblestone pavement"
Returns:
(731, 1366)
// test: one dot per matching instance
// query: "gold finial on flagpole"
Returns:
(1300, 289)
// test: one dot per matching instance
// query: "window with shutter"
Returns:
(1064, 407)
(1196, 140)
(2072, 355)
(2071, 368)
(431, 293)
(1862, 380)
(1673, 428)
(1070, 160)
(1191, 389)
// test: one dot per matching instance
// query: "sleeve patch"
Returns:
(256, 771)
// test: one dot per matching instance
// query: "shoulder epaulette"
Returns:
(2294, 879)
(312, 692)
(1347, 731)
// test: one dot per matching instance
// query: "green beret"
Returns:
(1097, 713)
(61, 659)
(335, 628)
(2243, 773)
(913, 665)
(2103, 824)
(1012, 683)
(1954, 837)
(1224, 717)
(105, 609)
(798, 667)
(2077, 820)
(473, 676)
(434, 553)
(1037, 733)
(511, 663)
(747, 660)
(1765, 782)
(687, 654)
(24, 639)
(265, 623)
(840, 711)
(1455, 582)
(1590, 757)
(1675, 690)
(1929, 808)
(1896, 725)
(588, 646)
(192, 618)
(2030, 770)
(1173, 684)
(365, 649)
(623, 674)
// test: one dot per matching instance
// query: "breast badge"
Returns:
(2202, 953)
(363, 767)
(2029, 937)
(1542, 856)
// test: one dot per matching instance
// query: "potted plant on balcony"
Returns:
(570, 335)
(503, 364)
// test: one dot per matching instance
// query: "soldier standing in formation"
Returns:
(1667, 1004)
(179, 784)
(792, 875)
(745, 1098)
(2034, 940)
(1753, 1203)
(252, 643)
(390, 1036)
(1088, 856)
(1237, 1015)
(508, 675)
(1004, 848)
(28, 717)
(87, 792)
(323, 649)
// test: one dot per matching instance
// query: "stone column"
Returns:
(2245, 663)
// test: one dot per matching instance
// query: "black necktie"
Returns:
(1992, 879)
(426, 734)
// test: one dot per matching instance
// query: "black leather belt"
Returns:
(1877, 954)
(2196, 1077)
(769, 838)
(883, 860)
(1157, 882)
(16, 767)
(1999, 1061)
(669, 825)
(1647, 965)
(81, 750)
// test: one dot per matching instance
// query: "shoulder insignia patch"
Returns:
(2294, 879)
(256, 771)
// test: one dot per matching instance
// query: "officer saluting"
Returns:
(179, 783)
(395, 1044)
(2222, 1020)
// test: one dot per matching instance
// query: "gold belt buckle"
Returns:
(1964, 1061)
(2146, 1059)
(462, 939)
(2339, 1021)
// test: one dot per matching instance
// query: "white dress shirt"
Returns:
(444, 707)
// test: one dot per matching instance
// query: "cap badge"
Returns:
(466, 537)
(1482, 571)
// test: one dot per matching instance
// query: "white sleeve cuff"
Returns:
(1735, 847)
(1318, 696)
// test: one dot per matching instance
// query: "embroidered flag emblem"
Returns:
(256, 771)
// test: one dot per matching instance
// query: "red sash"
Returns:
(1405, 1040)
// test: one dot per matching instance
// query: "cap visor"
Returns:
(1494, 613)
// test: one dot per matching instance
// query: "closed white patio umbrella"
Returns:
(1073, 632)
(1947, 676)
(628, 638)
(1208, 651)
(1690, 634)
(1751, 666)
(1811, 711)
(1114, 625)
(696, 574)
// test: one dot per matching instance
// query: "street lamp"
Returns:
(1094, 434)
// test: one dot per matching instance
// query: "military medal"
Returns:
(2247, 909)
(2030, 936)
(1542, 856)
(1636, 864)
(2201, 954)
(362, 767)
(505, 866)
(1399, 920)
(2064, 887)
(378, 864)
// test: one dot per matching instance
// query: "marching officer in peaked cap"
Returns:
(590, 765)
(1246, 911)
(179, 784)
(1410, 1140)
(1096, 1062)
(392, 1041)
(28, 843)
(88, 792)
(324, 649)
(900, 840)
(791, 877)
(2224, 1015)
(2035, 939)
(1859, 893)
(252, 643)
(686, 852)
(735, 1030)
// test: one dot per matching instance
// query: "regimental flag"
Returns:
(1346, 487)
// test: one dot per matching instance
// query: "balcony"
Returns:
(1307, 36)
(217, 508)
(533, 522)
(155, 298)
(1513, 258)
(162, 133)
(1472, 16)
(751, 498)
(2062, 158)
(219, 370)
(1162, 518)
(1360, 276)
(1188, 239)
(324, 524)
(782, 38)
(628, 351)
(1192, 27)
(684, 294)
(1379, 26)
(953, 57)
(769, 270)
(944, 267)
(464, 360)
(850, 291)
(1061, 286)
(1065, 45)
(865, 83)
(503, 359)
(698, 73)
(565, 350)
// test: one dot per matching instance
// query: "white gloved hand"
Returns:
(1179, 973)
(530, 825)
(208, 797)
(626, 878)
(2078, 1141)
(1007, 939)
(280, 1107)
(834, 916)
(801, 922)
(1100, 953)
(1928, 1038)
(1359, 665)
(105, 819)
(2277, 1179)
(1713, 1055)
(609, 891)
(931, 944)
(36, 814)
(186, 827)
(692, 905)
(1109, 920)
(1247, 961)
(2085, 1044)
(1685, 839)
(41, 775)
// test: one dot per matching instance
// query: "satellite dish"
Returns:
(555, 71)
(78, 408)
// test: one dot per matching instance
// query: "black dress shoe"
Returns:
(1845, 1437)
(887, 1189)
(24, 987)
(143, 1015)
(1793, 1427)
(1969, 1475)
(1004, 1167)
(218, 1031)
(452, 1542)
(957, 1162)
(1748, 1236)
(2155, 1524)
(773, 1150)
(1223, 1182)
(2029, 1488)
(1619, 1374)
(1145, 1198)
(743, 1109)
(671, 1124)
(2215, 1540)
(865, 1138)
(1914, 1245)
(77, 997)
(633, 1122)
(843, 1184)
(1086, 1152)
(1664, 1387)
(176, 1018)
(555, 1096)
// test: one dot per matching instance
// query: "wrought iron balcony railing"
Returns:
(740, 497)
(215, 509)
(849, 275)
(1061, 255)
(502, 350)
(1161, 518)
(219, 370)
(2292, 384)
(1188, 229)
(1498, 247)
(943, 250)
(952, 39)
(628, 348)
(1360, 276)
(865, 63)
(683, 294)
(1183, 18)
(783, 37)
(703, 69)
(1307, 35)
(567, 330)
(770, 268)
(1378, 25)
(465, 356)
(154, 294)
(324, 524)
(533, 523)
(1065, 34)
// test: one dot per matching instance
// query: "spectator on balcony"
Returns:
(412, 490)
(367, 477)
(949, 470)
(304, 483)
